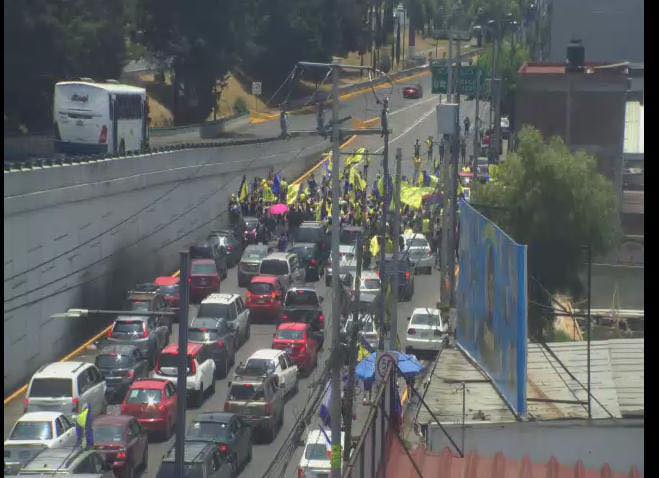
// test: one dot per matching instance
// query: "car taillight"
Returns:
(110, 333)
(145, 331)
(76, 404)
(226, 406)
(248, 296)
(26, 403)
(284, 317)
(193, 367)
(224, 448)
(121, 456)
(131, 374)
(274, 296)
(103, 138)
(321, 319)
(162, 408)
(220, 343)
(407, 275)
(229, 248)
(411, 332)
(313, 262)
(268, 408)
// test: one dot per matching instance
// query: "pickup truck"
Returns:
(303, 304)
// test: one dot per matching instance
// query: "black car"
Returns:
(405, 275)
(313, 231)
(226, 430)
(201, 460)
(303, 304)
(120, 366)
(220, 340)
(226, 239)
(310, 258)
(209, 250)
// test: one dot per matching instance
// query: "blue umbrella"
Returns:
(408, 366)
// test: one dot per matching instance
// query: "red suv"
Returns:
(123, 442)
(264, 297)
(204, 279)
(168, 286)
(298, 339)
(153, 403)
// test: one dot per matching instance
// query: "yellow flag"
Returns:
(434, 181)
(362, 353)
(355, 158)
(292, 194)
(356, 180)
(319, 212)
(381, 186)
(244, 192)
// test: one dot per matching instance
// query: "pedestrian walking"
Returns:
(467, 124)
(442, 150)
(417, 148)
(283, 123)
(430, 143)
(463, 150)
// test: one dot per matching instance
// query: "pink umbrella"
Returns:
(278, 209)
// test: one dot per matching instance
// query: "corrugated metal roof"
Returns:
(447, 465)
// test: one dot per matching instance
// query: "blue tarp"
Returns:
(408, 365)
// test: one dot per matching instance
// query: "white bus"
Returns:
(92, 118)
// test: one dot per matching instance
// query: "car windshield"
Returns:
(114, 361)
(128, 327)
(425, 319)
(307, 234)
(348, 237)
(301, 297)
(144, 395)
(51, 387)
(274, 267)
(416, 242)
(316, 451)
(168, 289)
(259, 366)
(203, 269)
(208, 431)
(25, 430)
(290, 335)
(108, 433)
(246, 391)
(254, 254)
(369, 284)
(215, 311)
(192, 470)
(203, 335)
(260, 288)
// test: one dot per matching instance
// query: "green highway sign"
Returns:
(466, 85)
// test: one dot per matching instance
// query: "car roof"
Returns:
(51, 459)
(39, 416)
(132, 318)
(369, 275)
(266, 354)
(264, 279)
(293, 326)
(258, 247)
(193, 453)
(220, 298)
(57, 369)
(193, 349)
(426, 310)
(414, 235)
(280, 256)
(222, 417)
(316, 436)
(149, 383)
(166, 280)
(305, 289)
(113, 420)
(117, 349)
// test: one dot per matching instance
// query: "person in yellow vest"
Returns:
(417, 168)
(375, 246)
(84, 434)
(425, 227)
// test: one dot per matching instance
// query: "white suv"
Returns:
(229, 307)
(272, 362)
(66, 387)
(201, 370)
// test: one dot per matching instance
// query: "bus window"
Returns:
(128, 106)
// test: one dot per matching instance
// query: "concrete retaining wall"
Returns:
(86, 233)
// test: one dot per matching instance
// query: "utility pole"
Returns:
(352, 359)
(445, 173)
(497, 91)
(396, 233)
(455, 152)
(384, 279)
(182, 372)
(590, 270)
(335, 376)
(476, 125)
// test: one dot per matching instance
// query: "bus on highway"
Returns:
(92, 118)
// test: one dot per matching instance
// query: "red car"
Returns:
(169, 288)
(412, 91)
(153, 403)
(264, 297)
(297, 338)
(204, 279)
(123, 443)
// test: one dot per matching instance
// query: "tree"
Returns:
(556, 202)
(47, 42)
(202, 40)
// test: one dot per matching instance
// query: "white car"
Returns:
(419, 251)
(315, 460)
(369, 288)
(49, 429)
(272, 362)
(201, 370)
(346, 257)
(367, 328)
(229, 307)
(426, 330)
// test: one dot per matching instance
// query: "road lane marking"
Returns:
(410, 128)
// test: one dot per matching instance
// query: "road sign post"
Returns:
(466, 82)
(256, 91)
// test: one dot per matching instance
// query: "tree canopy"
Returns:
(556, 202)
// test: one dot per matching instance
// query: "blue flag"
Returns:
(325, 406)
(426, 178)
(365, 343)
(276, 185)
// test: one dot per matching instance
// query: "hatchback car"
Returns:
(299, 340)
(200, 460)
(68, 461)
(142, 332)
(123, 442)
(42, 430)
(200, 380)
(153, 403)
(316, 457)
(412, 91)
(227, 430)
(426, 330)
(215, 252)
(264, 297)
(204, 279)
(168, 286)
(219, 338)
(310, 259)
(250, 263)
(66, 387)
(120, 365)
(419, 252)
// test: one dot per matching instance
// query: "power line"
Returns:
(161, 246)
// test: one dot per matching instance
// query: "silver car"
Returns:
(141, 331)
(420, 253)
(61, 462)
(250, 262)
(367, 328)
(346, 256)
